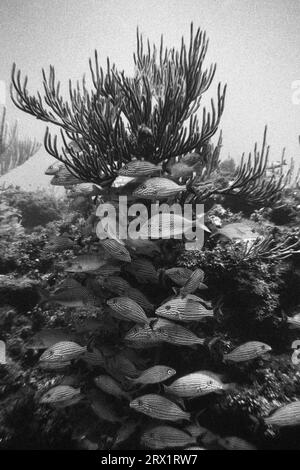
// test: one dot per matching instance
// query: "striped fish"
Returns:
(71, 296)
(140, 299)
(235, 443)
(159, 407)
(60, 243)
(54, 365)
(115, 284)
(61, 396)
(143, 247)
(63, 351)
(158, 188)
(164, 437)
(287, 415)
(247, 351)
(170, 332)
(110, 386)
(102, 407)
(128, 309)
(85, 263)
(154, 375)
(94, 358)
(196, 384)
(54, 168)
(179, 275)
(64, 178)
(143, 270)
(116, 250)
(193, 282)
(137, 168)
(109, 269)
(184, 309)
(141, 337)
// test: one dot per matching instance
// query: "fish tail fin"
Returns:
(230, 386)
(43, 296)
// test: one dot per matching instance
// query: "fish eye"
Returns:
(168, 307)
(170, 371)
(139, 403)
(210, 382)
(263, 346)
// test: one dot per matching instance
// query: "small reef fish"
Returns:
(46, 338)
(184, 309)
(181, 169)
(154, 375)
(115, 284)
(179, 275)
(238, 231)
(287, 415)
(125, 431)
(64, 178)
(247, 351)
(140, 299)
(85, 264)
(193, 282)
(170, 332)
(62, 351)
(196, 384)
(61, 396)
(143, 247)
(54, 168)
(102, 407)
(109, 269)
(137, 168)
(94, 358)
(191, 159)
(128, 309)
(235, 443)
(116, 250)
(77, 296)
(60, 243)
(143, 270)
(164, 225)
(158, 188)
(110, 386)
(159, 407)
(141, 337)
(164, 437)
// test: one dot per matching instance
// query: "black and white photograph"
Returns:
(149, 228)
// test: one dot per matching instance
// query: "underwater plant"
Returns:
(13, 150)
(148, 315)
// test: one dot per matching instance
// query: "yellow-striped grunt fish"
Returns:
(247, 351)
(47, 337)
(64, 178)
(103, 407)
(143, 247)
(158, 188)
(115, 284)
(141, 337)
(169, 224)
(235, 443)
(193, 282)
(164, 437)
(116, 250)
(196, 384)
(62, 351)
(159, 407)
(179, 275)
(170, 332)
(94, 358)
(286, 415)
(54, 168)
(61, 396)
(72, 295)
(110, 386)
(143, 270)
(140, 299)
(137, 168)
(128, 309)
(85, 263)
(154, 375)
(185, 309)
